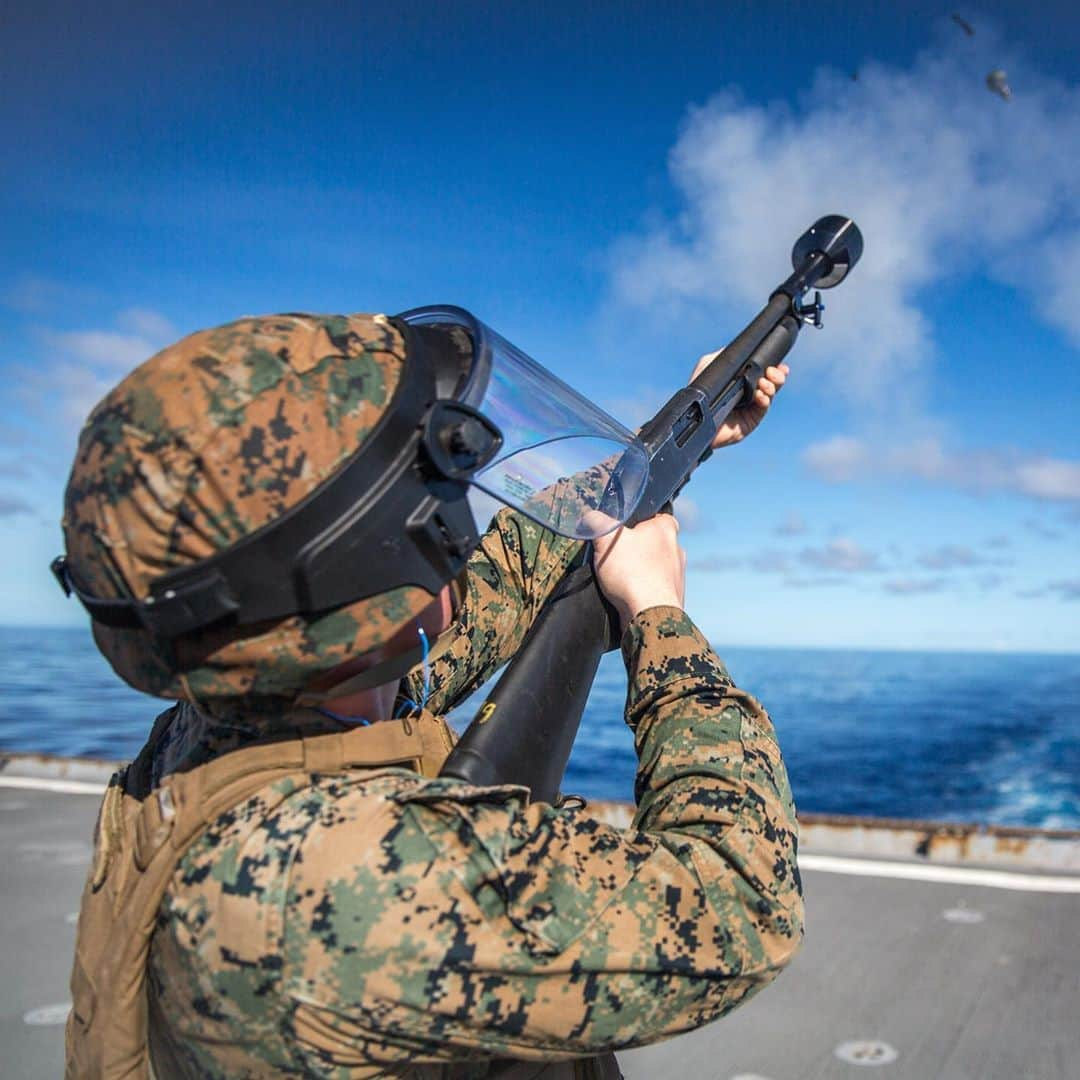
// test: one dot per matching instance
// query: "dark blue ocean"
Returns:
(960, 736)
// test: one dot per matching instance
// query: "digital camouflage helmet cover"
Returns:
(263, 501)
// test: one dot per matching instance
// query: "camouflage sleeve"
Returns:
(510, 576)
(548, 933)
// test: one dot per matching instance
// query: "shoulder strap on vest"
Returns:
(138, 844)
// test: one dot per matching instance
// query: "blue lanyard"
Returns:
(408, 705)
(352, 721)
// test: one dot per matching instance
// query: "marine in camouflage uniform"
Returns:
(375, 920)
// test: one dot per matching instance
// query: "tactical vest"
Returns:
(138, 843)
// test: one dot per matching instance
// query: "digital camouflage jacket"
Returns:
(405, 920)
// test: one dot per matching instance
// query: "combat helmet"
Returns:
(265, 500)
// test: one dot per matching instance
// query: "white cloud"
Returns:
(689, 514)
(949, 557)
(763, 562)
(711, 564)
(148, 324)
(813, 582)
(14, 506)
(88, 363)
(844, 458)
(943, 179)
(31, 294)
(1041, 529)
(914, 586)
(62, 395)
(634, 410)
(107, 349)
(82, 391)
(792, 525)
(1067, 590)
(837, 459)
(78, 367)
(1058, 304)
(1046, 478)
(842, 555)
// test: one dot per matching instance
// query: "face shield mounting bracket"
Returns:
(458, 440)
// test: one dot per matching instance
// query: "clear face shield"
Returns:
(563, 462)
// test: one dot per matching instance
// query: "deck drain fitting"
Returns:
(966, 915)
(866, 1052)
(48, 1015)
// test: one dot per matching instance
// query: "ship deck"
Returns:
(932, 951)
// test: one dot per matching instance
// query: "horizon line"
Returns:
(1016, 650)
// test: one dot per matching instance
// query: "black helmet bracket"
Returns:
(395, 514)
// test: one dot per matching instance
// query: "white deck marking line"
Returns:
(827, 864)
(945, 875)
(63, 787)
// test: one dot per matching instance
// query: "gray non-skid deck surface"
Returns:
(993, 999)
(44, 853)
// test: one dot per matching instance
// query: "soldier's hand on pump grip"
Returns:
(744, 419)
(644, 566)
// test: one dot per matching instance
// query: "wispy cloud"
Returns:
(148, 324)
(1041, 529)
(846, 458)
(689, 515)
(634, 410)
(913, 586)
(13, 506)
(944, 179)
(108, 350)
(763, 562)
(839, 458)
(1047, 478)
(81, 366)
(1067, 590)
(821, 582)
(843, 562)
(792, 525)
(842, 555)
(948, 557)
(31, 294)
(711, 564)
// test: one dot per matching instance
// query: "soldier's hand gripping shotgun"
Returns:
(525, 730)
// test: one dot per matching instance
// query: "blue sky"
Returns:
(615, 187)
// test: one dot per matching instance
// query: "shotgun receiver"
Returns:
(524, 732)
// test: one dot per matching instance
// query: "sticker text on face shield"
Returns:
(516, 487)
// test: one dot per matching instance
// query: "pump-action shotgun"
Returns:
(525, 730)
